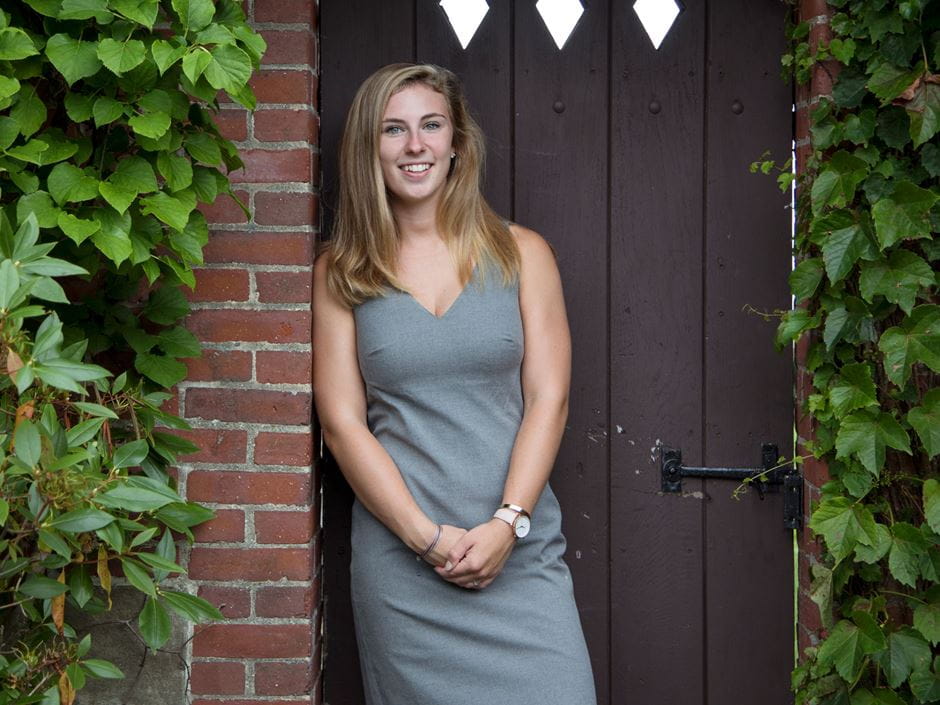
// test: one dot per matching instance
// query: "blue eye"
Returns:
(432, 125)
(392, 130)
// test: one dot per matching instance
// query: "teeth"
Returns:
(415, 168)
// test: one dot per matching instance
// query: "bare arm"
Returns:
(341, 408)
(546, 374)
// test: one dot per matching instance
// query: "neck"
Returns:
(416, 222)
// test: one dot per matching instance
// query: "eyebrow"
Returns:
(423, 117)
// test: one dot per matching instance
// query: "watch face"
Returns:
(522, 526)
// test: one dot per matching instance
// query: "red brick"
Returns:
(233, 603)
(226, 325)
(285, 11)
(248, 487)
(225, 210)
(274, 166)
(313, 700)
(285, 208)
(228, 525)
(289, 47)
(284, 367)
(284, 602)
(285, 125)
(233, 124)
(283, 678)
(259, 564)
(253, 641)
(220, 366)
(217, 446)
(284, 527)
(283, 86)
(260, 248)
(220, 285)
(218, 678)
(249, 405)
(809, 9)
(294, 449)
(283, 287)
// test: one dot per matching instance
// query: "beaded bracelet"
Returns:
(437, 537)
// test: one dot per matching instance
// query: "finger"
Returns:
(457, 554)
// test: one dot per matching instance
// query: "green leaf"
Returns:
(925, 419)
(844, 524)
(805, 278)
(77, 229)
(27, 442)
(56, 543)
(139, 494)
(80, 585)
(41, 587)
(844, 648)
(29, 112)
(117, 196)
(85, 10)
(866, 433)
(854, 389)
(924, 110)
(861, 127)
(194, 14)
(4, 511)
(83, 431)
(140, 11)
(130, 454)
(73, 58)
(878, 550)
(179, 342)
(794, 323)
(154, 623)
(40, 204)
(176, 170)
(114, 243)
(165, 371)
(135, 173)
(172, 210)
(121, 57)
(925, 685)
(153, 125)
(9, 283)
(166, 305)
(230, 68)
(907, 651)
(69, 184)
(100, 668)
(15, 44)
(898, 279)
(138, 576)
(907, 545)
(195, 62)
(79, 520)
(836, 183)
(180, 516)
(106, 110)
(160, 562)
(202, 147)
(904, 214)
(193, 608)
(165, 54)
(927, 621)
(917, 339)
(888, 81)
(842, 248)
(49, 8)
(930, 159)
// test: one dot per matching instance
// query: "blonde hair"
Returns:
(364, 246)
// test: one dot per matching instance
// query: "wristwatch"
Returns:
(517, 517)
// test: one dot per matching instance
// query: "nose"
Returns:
(415, 144)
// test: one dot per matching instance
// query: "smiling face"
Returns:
(415, 146)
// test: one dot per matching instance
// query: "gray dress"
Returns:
(445, 400)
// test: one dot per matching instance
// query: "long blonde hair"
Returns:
(364, 246)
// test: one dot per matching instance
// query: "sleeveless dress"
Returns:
(445, 400)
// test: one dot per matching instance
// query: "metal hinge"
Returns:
(771, 478)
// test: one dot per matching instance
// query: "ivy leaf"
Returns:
(153, 125)
(121, 57)
(854, 389)
(29, 112)
(202, 147)
(194, 14)
(106, 110)
(907, 545)
(931, 492)
(176, 170)
(195, 62)
(154, 624)
(924, 110)
(878, 550)
(907, 651)
(930, 159)
(172, 210)
(118, 197)
(894, 127)
(115, 244)
(888, 81)
(135, 173)
(904, 214)
(140, 11)
(836, 183)
(15, 44)
(166, 305)
(69, 184)
(165, 54)
(846, 321)
(927, 621)
(861, 127)
(40, 204)
(925, 685)
(842, 248)
(794, 323)
(866, 433)
(78, 229)
(925, 419)
(73, 58)
(844, 523)
(844, 648)
(85, 10)
(179, 342)
(898, 278)
(165, 371)
(917, 339)
(79, 106)
(229, 69)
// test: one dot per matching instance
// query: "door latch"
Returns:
(770, 475)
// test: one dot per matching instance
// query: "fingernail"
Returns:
(448, 565)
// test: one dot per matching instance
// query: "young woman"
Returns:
(441, 376)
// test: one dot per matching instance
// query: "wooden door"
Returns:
(633, 163)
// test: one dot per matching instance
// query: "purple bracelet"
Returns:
(433, 543)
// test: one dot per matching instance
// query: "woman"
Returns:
(441, 378)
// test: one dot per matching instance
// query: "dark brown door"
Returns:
(633, 162)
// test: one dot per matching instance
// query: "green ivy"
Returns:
(866, 295)
(107, 146)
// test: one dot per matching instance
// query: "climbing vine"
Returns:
(107, 145)
(866, 295)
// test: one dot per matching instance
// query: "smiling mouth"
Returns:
(415, 168)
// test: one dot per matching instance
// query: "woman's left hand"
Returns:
(479, 555)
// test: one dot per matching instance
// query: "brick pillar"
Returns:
(815, 473)
(249, 397)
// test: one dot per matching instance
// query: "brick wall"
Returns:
(249, 397)
(815, 473)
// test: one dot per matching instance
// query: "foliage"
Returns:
(866, 294)
(107, 144)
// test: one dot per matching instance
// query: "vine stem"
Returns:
(901, 594)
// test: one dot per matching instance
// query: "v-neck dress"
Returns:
(445, 400)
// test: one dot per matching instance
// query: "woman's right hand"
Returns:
(449, 536)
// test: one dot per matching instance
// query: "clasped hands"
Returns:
(472, 559)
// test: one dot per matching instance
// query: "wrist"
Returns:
(419, 534)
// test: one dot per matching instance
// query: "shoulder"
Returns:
(324, 294)
(535, 251)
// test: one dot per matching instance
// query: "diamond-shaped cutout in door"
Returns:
(560, 16)
(465, 17)
(657, 17)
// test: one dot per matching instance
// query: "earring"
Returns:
(453, 155)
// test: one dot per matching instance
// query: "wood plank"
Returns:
(484, 70)
(655, 357)
(561, 191)
(351, 51)
(749, 577)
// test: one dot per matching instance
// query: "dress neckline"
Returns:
(453, 303)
